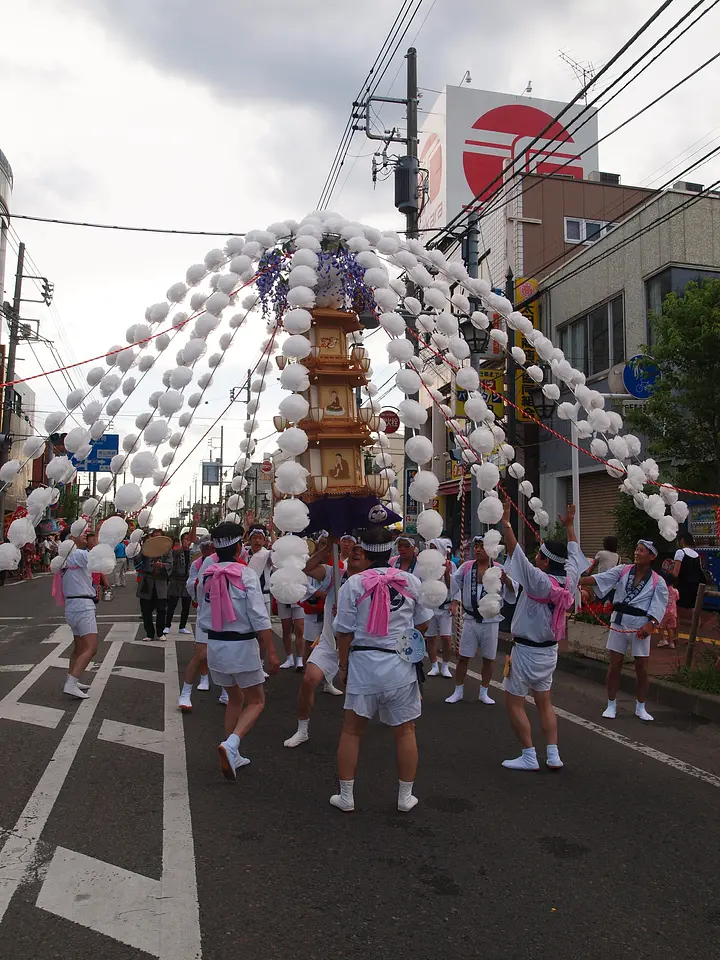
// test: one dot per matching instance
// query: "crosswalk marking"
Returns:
(130, 735)
(137, 673)
(16, 667)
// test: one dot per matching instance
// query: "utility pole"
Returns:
(473, 269)
(14, 325)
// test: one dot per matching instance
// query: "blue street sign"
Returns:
(639, 376)
(98, 460)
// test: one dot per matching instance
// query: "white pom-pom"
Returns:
(76, 438)
(419, 449)
(567, 411)
(393, 323)
(408, 381)
(654, 506)
(289, 584)
(668, 527)
(33, 447)
(542, 519)
(293, 441)
(301, 297)
(551, 391)
(156, 432)
(459, 348)
(526, 488)
(10, 557)
(75, 397)
(599, 448)
(516, 470)
(90, 507)
(291, 516)
(291, 478)
(433, 592)
(412, 413)
(170, 402)
(175, 440)
(297, 321)
(129, 497)
(296, 347)
(112, 531)
(680, 511)
(482, 440)
(486, 475)
(101, 559)
(429, 523)
(615, 468)
(668, 493)
(294, 408)
(54, 420)
(424, 486)
(518, 355)
(490, 510)
(535, 373)
(430, 565)
(143, 518)
(143, 464)
(21, 531)
(117, 464)
(180, 377)
(467, 379)
(400, 350)
(104, 484)
(490, 605)
(619, 448)
(295, 377)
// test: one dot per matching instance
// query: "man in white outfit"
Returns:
(198, 664)
(378, 612)
(74, 583)
(236, 621)
(441, 624)
(549, 587)
(478, 632)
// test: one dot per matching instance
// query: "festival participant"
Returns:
(478, 631)
(347, 542)
(406, 554)
(322, 664)
(120, 564)
(292, 620)
(177, 589)
(441, 623)
(198, 664)
(73, 586)
(376, 609)
(640, 600)
(152, 590)
(235, 618)
(257, 556)
(537, 625)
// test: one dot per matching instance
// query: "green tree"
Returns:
(68, 505)
(682, 416)
(633, 525)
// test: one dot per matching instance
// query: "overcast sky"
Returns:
(221, 116)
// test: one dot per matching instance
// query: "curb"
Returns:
(664, 692)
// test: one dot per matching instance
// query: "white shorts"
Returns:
(80, 616)
(250, 678)
(326, 659)
(532, 669)
(483, 635)
(440, 624)
(393, 707)
(285, 610)
(619, 643)
(313, 628)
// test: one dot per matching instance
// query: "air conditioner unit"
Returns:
(688, 187)
(599, 176)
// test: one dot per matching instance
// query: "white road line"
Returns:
(137, 673)
(130, 735)
(11, 709)
(180, 916)
(16, 667)
(679, 765)
(17, 855)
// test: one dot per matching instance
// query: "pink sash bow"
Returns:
(563, 601)
(57, 589)
(221, 607)
(377, 585)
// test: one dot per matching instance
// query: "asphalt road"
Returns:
(120, 839)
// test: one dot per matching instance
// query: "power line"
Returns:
(463, 214)
(115, 226)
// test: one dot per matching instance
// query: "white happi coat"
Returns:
(653, 598)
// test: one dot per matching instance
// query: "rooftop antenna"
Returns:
(584, 72)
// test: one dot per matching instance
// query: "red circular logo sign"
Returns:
(266, 466)
(391, 421)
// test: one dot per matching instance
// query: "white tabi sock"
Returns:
(484, 695)
(300, 736)
(457, 695)
(345, 799)
(552, 759)
(187, 689)
(234, 741)
(526, 761)
(610, 711)
(641, 712)
(406, 800)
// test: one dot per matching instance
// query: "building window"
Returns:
(585, 231)
(596, 342)
(670, 280)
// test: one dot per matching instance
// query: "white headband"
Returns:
(553, 556)
(256, 530)
(649, 545)
(226, 541)
(376, 547)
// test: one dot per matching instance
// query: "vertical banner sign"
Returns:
(523, 383)
(411, 506)
(492, 389)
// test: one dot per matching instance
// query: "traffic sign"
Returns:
(640, 375)
(391, 421)
(266, 466)
(101, 453)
